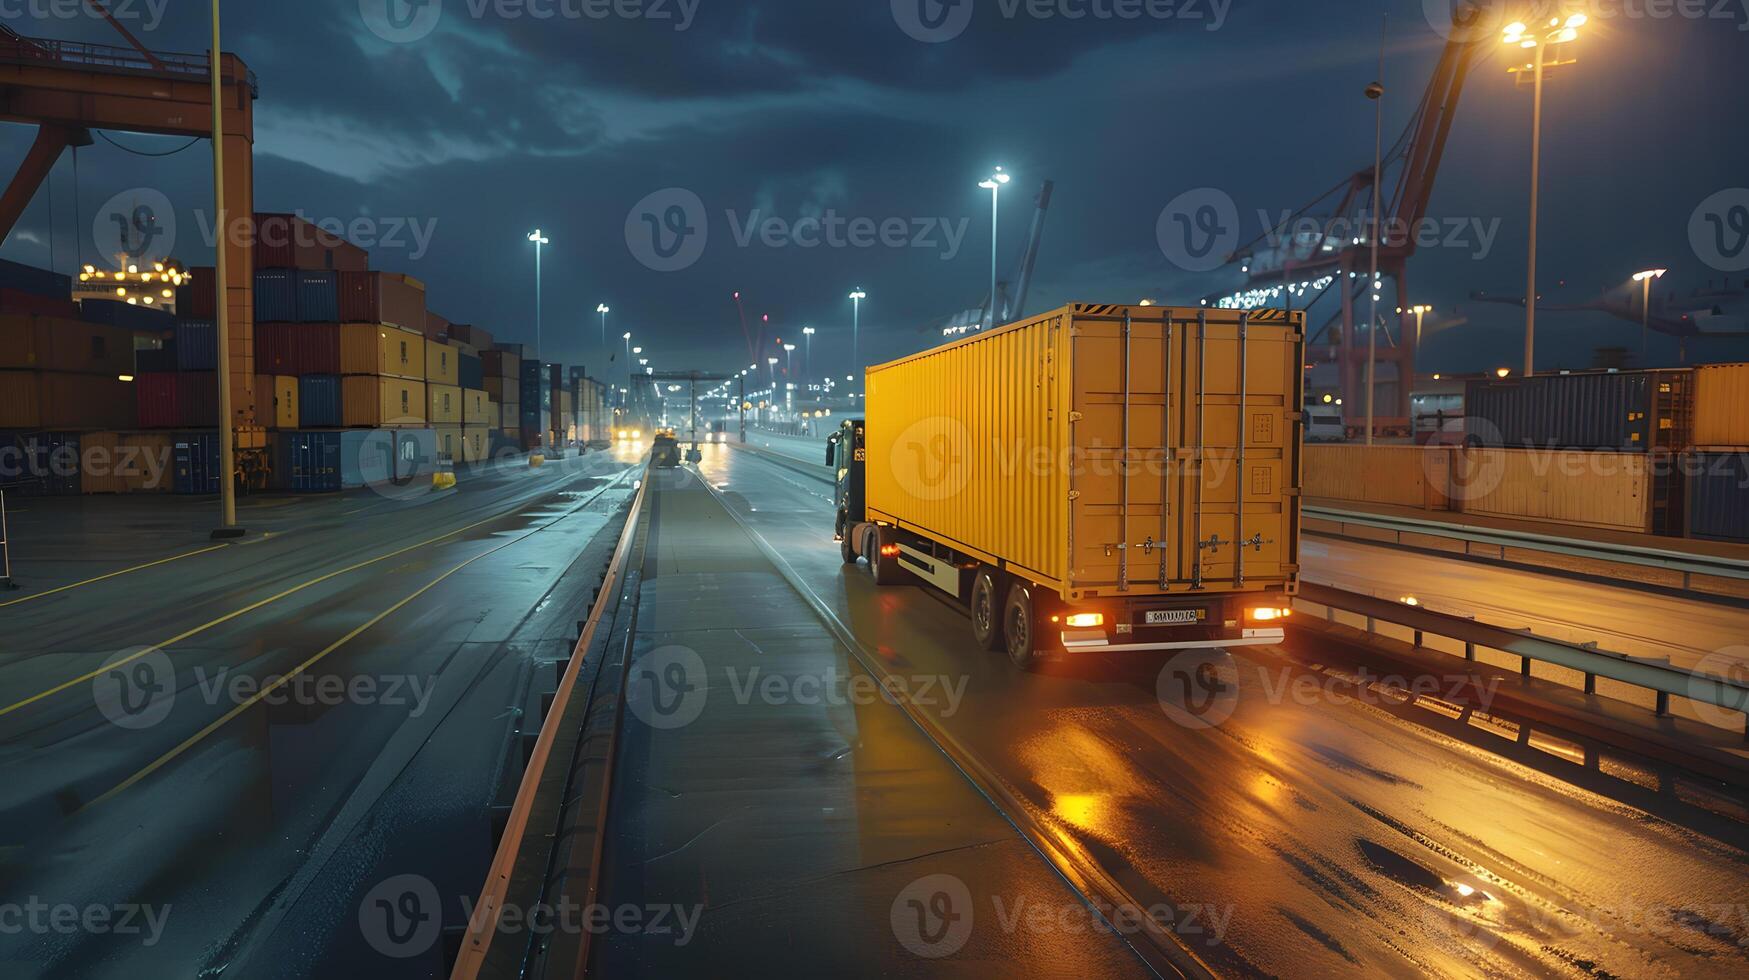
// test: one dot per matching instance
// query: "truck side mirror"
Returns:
(832, 451)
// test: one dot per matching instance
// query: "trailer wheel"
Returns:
(846, 542)
(987, 608)
(1020, 627)
(886, 571)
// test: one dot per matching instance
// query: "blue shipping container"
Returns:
(472, 372)
(38, 282)
(196, 456)
(40, 464)
(118, 313)
(319, 297)
(197, 345)
(1718, 496)
(308, 462)
(276, 296)
(319, 401)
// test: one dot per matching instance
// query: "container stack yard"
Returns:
(1718, 465)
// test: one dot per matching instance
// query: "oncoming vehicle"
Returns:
(665, 450)
(719, 431)
(1100, 478)
(1324, 424)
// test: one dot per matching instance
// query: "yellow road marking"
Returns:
(286, 678)
(233, 615)
(89, 581)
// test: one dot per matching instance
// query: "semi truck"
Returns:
(1097, 478)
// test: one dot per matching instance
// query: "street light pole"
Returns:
(221, 270)
(1376, 92)
(604, 310)
(807, 355)
(856, 299)
(539, 240)
(1645, 281)
(994, 183)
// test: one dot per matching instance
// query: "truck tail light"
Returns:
(1085, 620)
(889, 551)
(1268, 614)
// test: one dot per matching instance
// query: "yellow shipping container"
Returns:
(449, 441)
(1101, 450)
(476, 441)
(374, 348)
(57, 400)
(445, 404)
(97, 463)
(1721, 406)
(276, 398)
(504, 391)
(477, 409)
(44, 343)
(441, 365)
(1606, 490)
(1406, 476)
(373, 402)
(147, 461)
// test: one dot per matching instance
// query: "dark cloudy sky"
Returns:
(497, 121)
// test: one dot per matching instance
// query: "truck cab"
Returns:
(847, 454)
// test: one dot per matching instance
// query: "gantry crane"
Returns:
(67, 88)
(1339, 256)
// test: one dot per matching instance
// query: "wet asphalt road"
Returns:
(1315, 832)
(233, 823)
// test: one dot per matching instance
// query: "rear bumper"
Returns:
(1097, 641)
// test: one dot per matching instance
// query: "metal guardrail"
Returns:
(1652, 675)
(6, 581)
(1676, 561)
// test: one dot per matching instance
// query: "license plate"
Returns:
(1174, 617)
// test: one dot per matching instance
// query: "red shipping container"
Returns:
(195, 299)
(382, 297)
(297, 348)
(438, 328)
(286, 241)
(178, 400)
(15, 301)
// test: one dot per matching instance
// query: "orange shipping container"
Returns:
(449, 441)
(60, 401)
(476, 440)
(1407, 476)
(1602, 489)
(1721, 405)
(45, 343)
(373, 402)
(368, 348)
(441, 366)
(277, 400)
(446, 404)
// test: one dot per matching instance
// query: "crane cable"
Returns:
(143, 153)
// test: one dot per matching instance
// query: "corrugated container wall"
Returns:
(318, 297)
(196, 299)
(30, 279)
(476, 408)
(286, 241)
(441, 364)
(1012, 445)
(1721, 405)
(41, 464)
(276, 297)
(308, 462)
(276, 400)
(54, 344)
(297, 348)
(177, 401)
(1718, 496)
(367, 348)
(128, 316)
(1627, 411)
(54, 400)
(196, 462)
(445, 404)
(476, 442)
(319, 402)
(372, 401)
(383, 297)
(197, 345)
(470, 372)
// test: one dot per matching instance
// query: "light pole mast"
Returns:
(856, 299)
(221, 264)
(994, 184)
(539, 240)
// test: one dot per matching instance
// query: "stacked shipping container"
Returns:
(1718, 466)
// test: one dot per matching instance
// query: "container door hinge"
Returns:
(1075, 417)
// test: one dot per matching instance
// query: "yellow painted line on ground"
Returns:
(125, 571)
(286, 678)
(58, 688)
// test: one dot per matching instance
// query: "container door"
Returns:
(1241, 377)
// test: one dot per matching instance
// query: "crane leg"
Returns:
(50, 142)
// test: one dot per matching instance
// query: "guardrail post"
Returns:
(1663, 704)
(1371, 625)
(5, 548)
(1417, 639)
(1590, 683)
(1524, 666)
(1469, 651)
